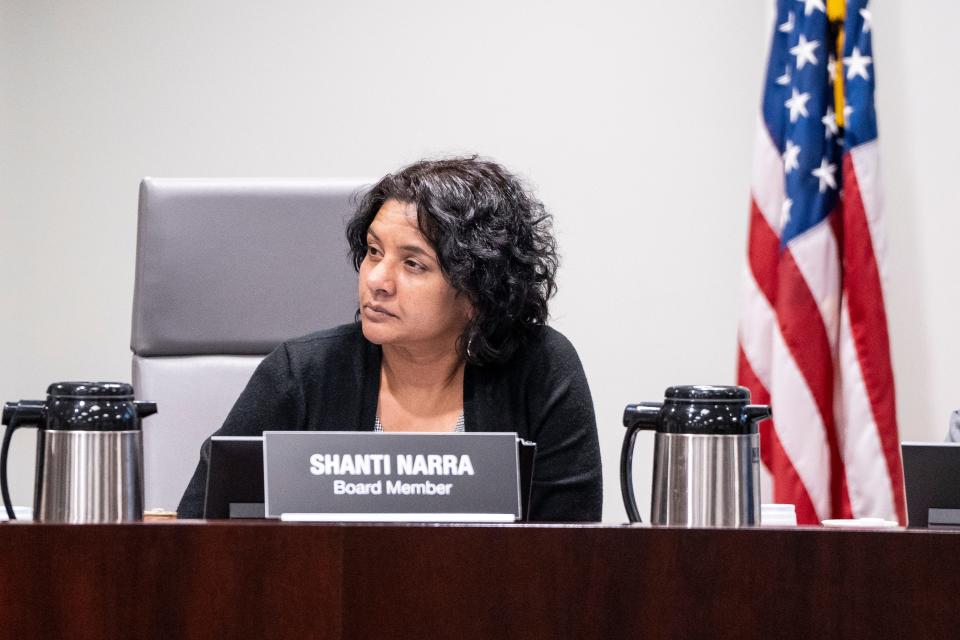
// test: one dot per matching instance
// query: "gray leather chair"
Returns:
(226, 270)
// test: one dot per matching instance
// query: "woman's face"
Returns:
(405, 300)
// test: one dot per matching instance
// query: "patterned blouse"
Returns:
(459, 428)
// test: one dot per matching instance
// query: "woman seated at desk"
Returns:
(456, 263)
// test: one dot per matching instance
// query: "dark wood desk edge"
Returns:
(191, 578)
(487, 525)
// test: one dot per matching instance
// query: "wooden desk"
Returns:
(175, 580)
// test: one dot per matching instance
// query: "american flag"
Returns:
(813, 335)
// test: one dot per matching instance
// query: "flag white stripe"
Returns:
(866, 166)
(768, 185)
(756, 328)
(868, 481)
(800, 427)
(815, 253)
(796, 417)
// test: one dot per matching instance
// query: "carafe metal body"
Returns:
(706, 480)
(706, 458)
(88, 476)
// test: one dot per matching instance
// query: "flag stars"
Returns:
(810, 5)
(831, 68)
(791, 157)
(803, 51)
(784, 80)
(857, 64)
(785, 213)
(787, 27)
(829, 121)
(825, 174)
(797, 103)
(867, 19)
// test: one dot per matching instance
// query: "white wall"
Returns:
(633, 119)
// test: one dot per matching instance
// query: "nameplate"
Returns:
(335, 476)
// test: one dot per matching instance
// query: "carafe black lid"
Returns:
(92, 406)
(709, 409)
(708, 393)
(90, 390)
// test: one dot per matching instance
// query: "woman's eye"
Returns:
(416, 266)
(373, 251)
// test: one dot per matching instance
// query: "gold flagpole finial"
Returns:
(836, 14)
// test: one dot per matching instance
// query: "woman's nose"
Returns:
(380, 278)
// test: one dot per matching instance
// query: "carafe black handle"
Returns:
(26, 413)
(643, 415)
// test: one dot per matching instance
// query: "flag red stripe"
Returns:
(802, 327)
(788, 487)
(868, 323)
(806, 337)
(800, 322)
(763, 252)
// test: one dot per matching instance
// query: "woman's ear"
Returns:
(468, 310)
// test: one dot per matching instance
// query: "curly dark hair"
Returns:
(494, 242)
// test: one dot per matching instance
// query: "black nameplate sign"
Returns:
(414, 477)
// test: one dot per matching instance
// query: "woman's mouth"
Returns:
(376, 312)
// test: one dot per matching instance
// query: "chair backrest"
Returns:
(226, 270)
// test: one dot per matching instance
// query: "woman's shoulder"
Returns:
(345, 333)
(336, 342)
(546, 343)
(546, 355)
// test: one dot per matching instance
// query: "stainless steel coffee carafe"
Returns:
(89, 452)
(706, 459)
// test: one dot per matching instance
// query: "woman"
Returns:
(456, 264)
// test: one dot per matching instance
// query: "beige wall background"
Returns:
(633, 119)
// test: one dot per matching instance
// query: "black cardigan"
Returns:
(330, 381)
